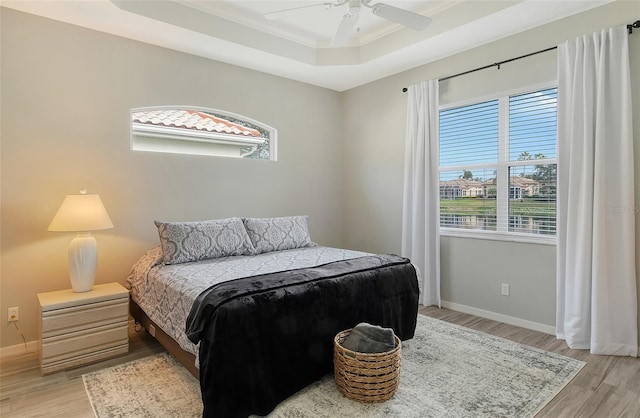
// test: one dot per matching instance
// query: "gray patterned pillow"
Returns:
(183, 242)
(276, 234)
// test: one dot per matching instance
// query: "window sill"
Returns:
(498, 236)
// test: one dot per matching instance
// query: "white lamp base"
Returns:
(83, 258)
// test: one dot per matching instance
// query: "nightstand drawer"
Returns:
(72, 345)
(82, 328)
(77, 318)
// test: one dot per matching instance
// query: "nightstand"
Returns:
(82, 328)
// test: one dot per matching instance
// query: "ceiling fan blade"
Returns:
(296, 11)
(404, 17)
(345, 28)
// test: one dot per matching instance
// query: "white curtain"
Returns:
(596, 278)
(421, 208)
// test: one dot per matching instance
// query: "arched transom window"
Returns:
(201, 131)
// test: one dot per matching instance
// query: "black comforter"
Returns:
(263, 338)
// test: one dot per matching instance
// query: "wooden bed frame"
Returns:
(185, 358)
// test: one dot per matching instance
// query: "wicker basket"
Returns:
(366, 377)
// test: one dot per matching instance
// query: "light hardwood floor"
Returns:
(24, 393)
(606, 387)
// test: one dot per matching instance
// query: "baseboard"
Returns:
(14, 350)
(511, 320)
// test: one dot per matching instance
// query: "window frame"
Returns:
(501, 166)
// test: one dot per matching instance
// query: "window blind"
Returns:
(469, 134)
(498, 164)
(532, 125)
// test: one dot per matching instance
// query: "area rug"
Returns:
(447, 371)
(152, 387)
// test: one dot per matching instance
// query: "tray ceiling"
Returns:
(298, 47)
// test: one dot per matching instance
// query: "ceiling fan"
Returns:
(347, 24)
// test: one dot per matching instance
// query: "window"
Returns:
(194, 130)
(498, 165)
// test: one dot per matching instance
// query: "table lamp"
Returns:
(81, 213)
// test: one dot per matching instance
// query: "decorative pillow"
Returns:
(276, 234)
(183, 242)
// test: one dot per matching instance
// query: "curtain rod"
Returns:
(630, 27)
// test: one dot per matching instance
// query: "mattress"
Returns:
(167, 292)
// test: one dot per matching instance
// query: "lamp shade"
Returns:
(81, 212)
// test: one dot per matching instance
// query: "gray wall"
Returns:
(472, 269)
(66, 95)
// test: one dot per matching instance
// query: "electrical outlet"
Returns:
(12, 314)
(505, 289)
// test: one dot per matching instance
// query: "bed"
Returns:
(250, 306)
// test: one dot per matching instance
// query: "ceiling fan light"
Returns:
(404, 17)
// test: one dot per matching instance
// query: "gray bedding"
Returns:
(167, 292)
